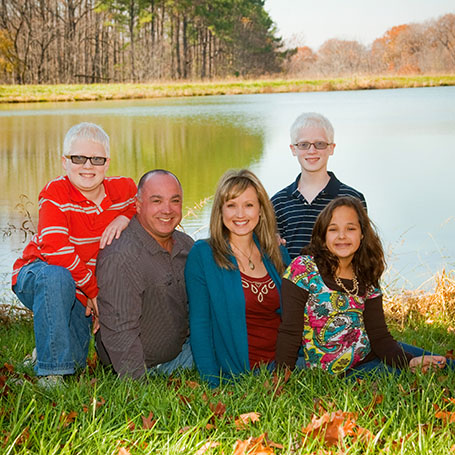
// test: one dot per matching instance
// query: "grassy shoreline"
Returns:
(98, 92)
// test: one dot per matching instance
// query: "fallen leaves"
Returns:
(208, 445)
(278, 381)
(67, 419)
(445, 416)
(255, 446)
(333, 427)
(148, 422)
(244, 420)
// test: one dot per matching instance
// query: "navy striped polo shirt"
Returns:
(296, 217)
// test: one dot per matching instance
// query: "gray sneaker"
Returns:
(30, 359)
(51, 382)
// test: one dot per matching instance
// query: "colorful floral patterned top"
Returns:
(334, 336)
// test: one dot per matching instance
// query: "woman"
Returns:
(233, 281)
(332, 303)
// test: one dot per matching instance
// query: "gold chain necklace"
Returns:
(355, 286)
(250, 262)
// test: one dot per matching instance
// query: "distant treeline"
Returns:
(423, 48)
(88, 41)
(71, 41)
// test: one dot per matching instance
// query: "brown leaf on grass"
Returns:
(92, 362)
(244, 420)
(210, 426)
(185, 429)
(184, 399)
(335, 426)
(148, 422)
(208, 445)
(123, 451)
(131, 425)
(219, 409)
(449, 400)
(23, 437)
(252, 446)
(278, 381)
(192, 384)
(8, 367)
(450, 355)
(205, 397)
(94, 403)
(176, 383)
(445, 416)
(68, 419)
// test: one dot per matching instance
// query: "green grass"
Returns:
(33, 420)
(96, 92)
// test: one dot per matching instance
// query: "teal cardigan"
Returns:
(218, 331)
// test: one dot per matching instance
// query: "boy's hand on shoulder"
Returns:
(113, 230)
(280, 240)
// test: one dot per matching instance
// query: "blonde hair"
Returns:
(231, 185)
(89, 131)
(311, 119)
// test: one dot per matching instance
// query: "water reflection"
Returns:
(392, 145)
(198, 151)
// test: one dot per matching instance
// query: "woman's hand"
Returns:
(426, 362)
(92, 309)
(113, 230)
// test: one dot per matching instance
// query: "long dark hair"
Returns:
(368, 261)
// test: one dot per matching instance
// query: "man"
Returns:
(298, 205)
(142, 297)
(78, 214)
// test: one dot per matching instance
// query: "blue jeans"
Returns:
(62, 331)
(380, 367)
(183, 360)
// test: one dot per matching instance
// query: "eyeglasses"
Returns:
(94, 160)
(319, 145)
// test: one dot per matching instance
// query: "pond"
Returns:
(395, 146)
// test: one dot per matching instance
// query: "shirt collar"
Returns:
(77, 196)
(332, 188)
(150, 243)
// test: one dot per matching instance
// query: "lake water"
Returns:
(395, 146)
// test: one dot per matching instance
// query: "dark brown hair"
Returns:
(368, 261)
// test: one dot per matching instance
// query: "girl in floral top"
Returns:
(332, 302)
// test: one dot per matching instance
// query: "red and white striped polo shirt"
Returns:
(70, 228)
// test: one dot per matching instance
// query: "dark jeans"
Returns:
(380, 367)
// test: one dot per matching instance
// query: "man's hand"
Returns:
(426, 362)
(92, 309)
(113, 230)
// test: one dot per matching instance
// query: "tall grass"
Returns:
(97, 413)
(96, 92)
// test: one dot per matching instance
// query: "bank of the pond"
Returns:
(97, 92)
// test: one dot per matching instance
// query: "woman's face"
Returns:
(241, 214)
(344, 233)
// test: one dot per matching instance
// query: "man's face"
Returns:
(159, 208)
(87, 178)
(312, 160)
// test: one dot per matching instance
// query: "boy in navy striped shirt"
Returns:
(298, 205)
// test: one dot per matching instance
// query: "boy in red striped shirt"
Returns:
(55, 278)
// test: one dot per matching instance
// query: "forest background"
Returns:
(94, 41)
